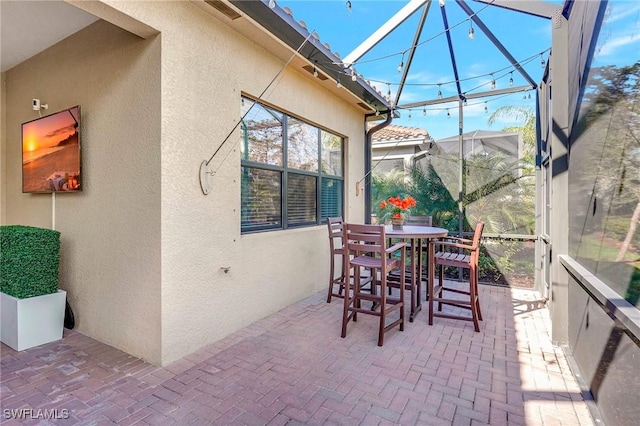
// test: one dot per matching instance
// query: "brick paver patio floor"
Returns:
(293, 368)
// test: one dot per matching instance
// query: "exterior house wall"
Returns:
(110, 232)
(386, 152)
(163, 243)
(205, 67)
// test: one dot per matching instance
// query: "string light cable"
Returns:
(425, 110)
(403, 52)
(400, 53)
(511, 68)
(205, 164)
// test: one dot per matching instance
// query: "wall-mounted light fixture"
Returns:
(37, 106)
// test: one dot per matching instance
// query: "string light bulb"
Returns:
(511, 79)
(338, 84)
(486, 109)
(348, 6)
(315, 71)
(543, 63)
(272, 4)
(424, 111)
(409, 116)
(448, 113)
(441, 3)
(472, 33)
(439, 92)
(529, 96)
(354, 75)
(389, 91)
(493, 82)
(401, 65)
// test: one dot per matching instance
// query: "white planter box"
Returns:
(30, 322)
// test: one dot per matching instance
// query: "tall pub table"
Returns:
(415, 234)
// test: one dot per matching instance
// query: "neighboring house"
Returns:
(151, 264)
(484, 142)
(394, 146)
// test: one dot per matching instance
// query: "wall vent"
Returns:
(309, 69)
(223, 8)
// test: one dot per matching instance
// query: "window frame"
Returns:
(285, 170)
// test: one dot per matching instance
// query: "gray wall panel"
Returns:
(607, 358)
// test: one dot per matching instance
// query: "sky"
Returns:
(527, 39)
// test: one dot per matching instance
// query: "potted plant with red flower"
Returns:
(396, 209)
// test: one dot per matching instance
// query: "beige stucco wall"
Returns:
(110, 232)
(205, 67)
(146, 245)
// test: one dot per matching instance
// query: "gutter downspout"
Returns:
(367, 163)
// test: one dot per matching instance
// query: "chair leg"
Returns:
(478, 297)
(431, 287)
(402, 297)
(349, 298)
(474, 298)
(441, 284)
(383, 308)
(374, 287)
(331, 281)
(356, 291)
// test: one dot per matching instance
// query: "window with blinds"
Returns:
(292, 171)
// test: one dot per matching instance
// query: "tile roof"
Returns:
(282, 24)
(395, 132)
(337, 57)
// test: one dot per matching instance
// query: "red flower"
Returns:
(398, 206)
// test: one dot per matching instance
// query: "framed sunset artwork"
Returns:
(51, 153)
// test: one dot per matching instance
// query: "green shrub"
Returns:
(29, 261)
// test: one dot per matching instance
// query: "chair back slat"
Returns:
(336, 249)
(334, 224)
(419, 220)
(363, 239)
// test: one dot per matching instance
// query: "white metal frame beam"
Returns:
(379, 35)
(539, 8)
(469, 96)
(495, 41)
(412, 51)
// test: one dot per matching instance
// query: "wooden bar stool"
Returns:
(460, 253)
(366, 247)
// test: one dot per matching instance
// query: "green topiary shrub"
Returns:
(29, 261)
